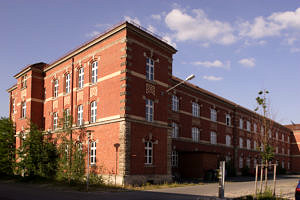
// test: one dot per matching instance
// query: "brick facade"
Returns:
(120, 92)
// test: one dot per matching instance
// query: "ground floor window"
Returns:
(241, 162)
(148, 153)
(174, 159)
(93, 152)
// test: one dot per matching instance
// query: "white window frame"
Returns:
(13, 106)
(270, 134)
(55, 90)
(241, 123)
(174, 159)
(175, 130)
(241, 162)
(68, 81)
(80, 115)
(80, 77)
(248, 126)
(228, 120)
(248, 144)
(213, 137)
(24, 81)
(149, 110)
(23, 111)
(150, 69)
(66, 117)
(195, 134)
(213, 114)
(282, 164)
(241, 142)
(93, 111)
(55, 120)
(148, 153)
(195, 109)
(93, 152)
(228, 140)
(94, 73)
(175, 103)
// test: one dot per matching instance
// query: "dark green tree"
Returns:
(37, 155)
(7, 146)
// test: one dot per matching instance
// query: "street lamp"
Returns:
(88, 159)
(187, 79)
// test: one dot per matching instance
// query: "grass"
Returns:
(160, 186)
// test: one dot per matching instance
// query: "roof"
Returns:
(293, 126)
(12, 88)
(130, 25)
(39, 66)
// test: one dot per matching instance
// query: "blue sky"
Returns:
(234, 47)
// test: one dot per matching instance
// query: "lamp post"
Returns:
(88, 159)
(187, 79)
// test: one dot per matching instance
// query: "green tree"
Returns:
(267, 152)
(7, 146)
(71, 163)
(37, 155)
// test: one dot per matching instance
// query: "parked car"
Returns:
(297, 192)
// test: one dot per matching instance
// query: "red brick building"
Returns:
(115, 85)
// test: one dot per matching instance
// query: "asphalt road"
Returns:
(14, 191)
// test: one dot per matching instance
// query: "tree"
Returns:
(37, 155)
(267, 152)
(71, 163)
(7, 146)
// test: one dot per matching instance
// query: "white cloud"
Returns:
(92, 34)
(211, 64)
(156, 17)
(273, 25)
(247, 62)
(212, 78)
(134, 20)
(198, 27)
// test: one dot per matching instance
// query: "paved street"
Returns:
(14, 191)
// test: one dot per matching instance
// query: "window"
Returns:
(80, 115)
(248, 144)
(13, 109)
(276, 135)
(282, 164)
(254, 145)
(282, 137)
(67, 117)
(175, 103)
(228, 140)
(195, 134)
(150, 69)
(68, 80)
(276, 149)
(261, 147)
(24, 81)
(148, 153)
(174, 159)
(55, 90)
(241, 123)
(228, 120)
(248, 126)
(195, 109)
(248, 162)
(213, 114)
(254, 162)
(93, 152)
(80, 77)
(255, 128)
(241, 142)
(93, 111)
(174, 130)
(23, 112)
(55, 120)
(282, 150)
(270, 134)
(288, 139)
(94, 72)
(149, 110)
(241, 162)
(213, 137)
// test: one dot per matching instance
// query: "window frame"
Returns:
(175, 103)
(23, 110)
(94, 72)
(228, 140)
(213, 115)
(248, 144)
(93, 111)
(150, 69)
(149, 110)
(241, 123)
(80, 77)
(228, 119)
(55, 121)
(174, 159)
(175, 130)
(248, 126)
(241, 143)
(195, 134)
(93, 153)
(195, 109)
(148, 153)
(67, 83)
(55, 88)
(213, 137)
(80, 115)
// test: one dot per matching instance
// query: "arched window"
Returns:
(148, 152)
(80, 77)
(93, 111)
(94, 72)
